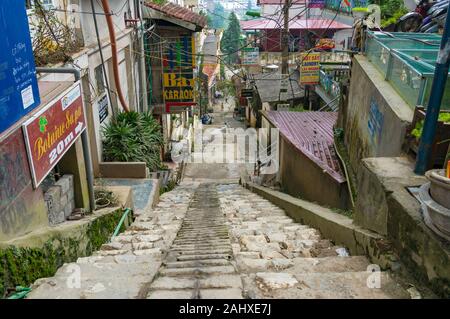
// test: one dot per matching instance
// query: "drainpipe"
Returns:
(112, 37)
(434, 103)
(84, 138)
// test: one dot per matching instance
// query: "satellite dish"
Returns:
(373, 20)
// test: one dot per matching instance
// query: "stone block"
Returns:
(52, 198)
(64, 200)
(66, 183)
(56, 217)
(68, 209)
(273, 280)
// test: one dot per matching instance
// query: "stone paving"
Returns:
(211, 238)
(216, 240)
(278, 258)
(125, 267)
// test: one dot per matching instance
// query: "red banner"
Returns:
(53, 130)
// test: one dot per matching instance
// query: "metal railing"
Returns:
(330, 86)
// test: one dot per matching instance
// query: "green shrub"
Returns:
(133, 137)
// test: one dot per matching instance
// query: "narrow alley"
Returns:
(222, 149)
(212, 238)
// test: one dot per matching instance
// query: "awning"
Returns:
(299, 24)
(175, 14)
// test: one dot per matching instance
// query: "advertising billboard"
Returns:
(53, 130)
(178, 63)
(309, 69)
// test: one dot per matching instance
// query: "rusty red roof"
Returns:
(279, 2)
(179, 12)
(210, 70)
(312, 134)
(296, 24)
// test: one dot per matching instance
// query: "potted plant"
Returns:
(436, 198)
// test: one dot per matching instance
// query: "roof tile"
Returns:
(178, 12)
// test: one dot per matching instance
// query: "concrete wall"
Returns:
(385, 206)
(376, 117)
(88, 60)
(22, 209)
(300, 177)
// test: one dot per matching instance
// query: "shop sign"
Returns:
(309, 69)
(178, 63)
(103, 108)
(250, 56)
(247, 92)
(316, 4)
(52, 131)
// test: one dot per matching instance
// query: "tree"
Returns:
(216, 19)
(231, 39)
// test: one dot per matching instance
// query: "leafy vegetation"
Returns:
(391, 10)
(227, 87)
(23, 265)
(231, 39)
(417, 131)
(133, 137)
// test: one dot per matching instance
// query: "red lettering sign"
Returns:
(53, 130)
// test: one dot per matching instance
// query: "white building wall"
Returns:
(88, 59)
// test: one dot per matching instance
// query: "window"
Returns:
(99, 79)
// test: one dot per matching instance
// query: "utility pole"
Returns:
(434, 104)
(285, 42)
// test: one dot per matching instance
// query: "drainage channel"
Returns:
(199, 263)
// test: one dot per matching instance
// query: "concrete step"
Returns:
(185, 252)
(197, 263)
(204, 256)
(198, 271)
(218, 281)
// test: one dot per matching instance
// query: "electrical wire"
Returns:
(108, 90)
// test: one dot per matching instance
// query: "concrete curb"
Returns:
(336, 227)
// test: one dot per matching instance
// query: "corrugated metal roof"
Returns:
(312, 134)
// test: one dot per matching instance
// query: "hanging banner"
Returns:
(316, 4)
(178, 63)
(52, 131)
(309, 69)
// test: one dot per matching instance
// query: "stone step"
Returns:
(201, 251)
(193, 271)
(197, 263)
(328, 264)
(204, 256)
(349, 285)
(171, 294)
(206, 241)
(199, 246)
(219, 281)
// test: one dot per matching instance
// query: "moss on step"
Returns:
(23, 265)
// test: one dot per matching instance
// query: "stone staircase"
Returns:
(278, 258)
(218, 240)
(124, 268)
